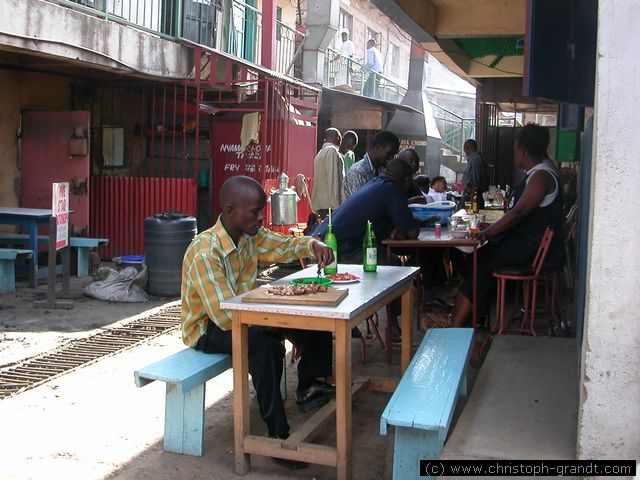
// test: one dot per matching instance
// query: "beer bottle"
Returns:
(331, 242)
(474, 202)
(369, 250)
(505, 200)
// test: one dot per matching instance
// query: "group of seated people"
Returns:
(222, 261)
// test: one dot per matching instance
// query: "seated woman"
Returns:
(534, 205)
(437, 191)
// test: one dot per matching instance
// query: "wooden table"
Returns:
(30, 219)
(372, 293)
(427, 239)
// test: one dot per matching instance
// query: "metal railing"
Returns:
(341, 70)
(453, 129)
(245, 31)
(287, 41)
(195, 20)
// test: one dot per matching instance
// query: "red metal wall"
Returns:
(119, 206)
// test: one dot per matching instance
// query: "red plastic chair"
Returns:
(529, 277)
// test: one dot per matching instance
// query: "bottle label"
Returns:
(334, 265)
(372, 256)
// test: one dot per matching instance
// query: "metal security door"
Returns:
(55, 148)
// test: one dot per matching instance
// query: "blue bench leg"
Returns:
(83, 262)
(463, 385)
(411, 446)
(184, 420)
(7, 276)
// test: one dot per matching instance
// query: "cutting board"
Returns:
(331, 298)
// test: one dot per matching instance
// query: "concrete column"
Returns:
(609, 417)
(268, 59)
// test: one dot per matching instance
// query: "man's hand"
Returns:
(417, 199)
(324, 254)
(397, 234)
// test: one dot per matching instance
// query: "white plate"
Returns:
(340, 282)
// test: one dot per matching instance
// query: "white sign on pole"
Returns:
(60, 210)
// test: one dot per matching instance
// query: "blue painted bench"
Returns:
(422, 406)
(82, 244)
(8, 258)
(185, 374)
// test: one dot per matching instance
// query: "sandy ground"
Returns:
(93, 423)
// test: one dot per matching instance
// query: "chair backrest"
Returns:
(541, 254)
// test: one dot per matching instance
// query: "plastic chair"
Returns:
(529, 277)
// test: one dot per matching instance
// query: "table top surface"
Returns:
(372, 287)
(427, 237)
(24, 212)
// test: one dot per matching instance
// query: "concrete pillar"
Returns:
(609, 417)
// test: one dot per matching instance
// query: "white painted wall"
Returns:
(51, 29)
(609, 421)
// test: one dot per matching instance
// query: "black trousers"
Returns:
(266, 354)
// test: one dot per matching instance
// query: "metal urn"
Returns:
(283, 203)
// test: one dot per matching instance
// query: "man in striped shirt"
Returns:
(221, 263)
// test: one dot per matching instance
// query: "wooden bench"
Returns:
(185, 374)
(82, 244)
(422, 406)
(8, 268)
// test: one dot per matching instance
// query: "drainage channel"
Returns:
(37, 370)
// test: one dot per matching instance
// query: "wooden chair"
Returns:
(529, 276)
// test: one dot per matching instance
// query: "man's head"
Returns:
(470, 146)
(345, 34)
(439, 184)
(371, 43)
(531, 145)
(410, 156)
(242, 200)
(349, 141)
(422, 183)
(384, 148)
(400, 173)
(333, 135)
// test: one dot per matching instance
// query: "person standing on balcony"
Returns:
(349, 142)
(384, 148)
(374, 65)
(328, 174)
(347, 51)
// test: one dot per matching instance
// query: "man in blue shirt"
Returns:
(383, 201)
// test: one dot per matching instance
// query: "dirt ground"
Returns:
(93, 423)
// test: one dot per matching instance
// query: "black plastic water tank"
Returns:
(166, 238)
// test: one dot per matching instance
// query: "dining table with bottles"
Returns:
(362, 298)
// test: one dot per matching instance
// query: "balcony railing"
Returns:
(245, 31)
(287, 42)
(453, 129)
(341, 70)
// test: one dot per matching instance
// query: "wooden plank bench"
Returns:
(422, 406)
(8, 268)
(186, 373)
(82, 244)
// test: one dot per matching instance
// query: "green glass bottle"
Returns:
(369, 250)
(331, 242)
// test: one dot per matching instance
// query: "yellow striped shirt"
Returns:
(214, 269)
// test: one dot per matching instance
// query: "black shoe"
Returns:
(315, 396)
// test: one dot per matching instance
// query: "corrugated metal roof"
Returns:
(479, 47)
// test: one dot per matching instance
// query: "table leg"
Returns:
(474, 288)
(405, 324)
(343, 400)
(240, 358)
(32, 230)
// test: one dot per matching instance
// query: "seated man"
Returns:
(534, 205)
(222, 262)
(383, 201)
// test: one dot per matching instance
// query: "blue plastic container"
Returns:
(443, 210)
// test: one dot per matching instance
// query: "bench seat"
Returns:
(82, 244)
(185, 374)
(8, 258)
(422, 406)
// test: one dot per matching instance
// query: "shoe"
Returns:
(315, 396)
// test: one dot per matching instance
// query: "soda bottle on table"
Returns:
(369, 250)
(331, 242)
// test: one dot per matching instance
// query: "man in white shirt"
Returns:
(374, 64)
(347, 51)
